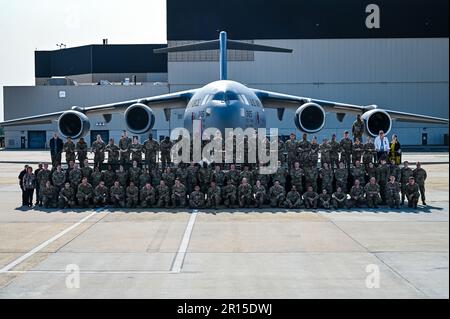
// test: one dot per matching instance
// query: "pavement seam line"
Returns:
(378, 258)
(181, 254)
(44, 244)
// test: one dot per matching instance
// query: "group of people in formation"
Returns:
(349, 174)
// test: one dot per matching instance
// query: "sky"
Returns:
(29, 25)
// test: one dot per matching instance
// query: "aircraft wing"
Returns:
(165, 101)
(281, 101)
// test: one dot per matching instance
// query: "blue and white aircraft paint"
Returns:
(223, 104)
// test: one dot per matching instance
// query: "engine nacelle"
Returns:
(310, 118)
(73, 124)
(139, 118)
(376, 120)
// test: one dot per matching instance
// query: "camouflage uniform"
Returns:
(179, 195)
(86, 171)
(325, 153)
(281, 150)
(369, 152)
(134, 173)
(204, 178)
(136, 152)
(383, 178)
(357, 152)
(327, 176)
(219, 178)
(280, 176)
(214, 198)
(166, 147)
(297, 179)
(334, 153)
(197, 200)
(124, 150)
(291, 149)
(99, 153)
(420, 175)
(293, 200)
(192, 172)
(405, 173)
(163, 196)
(245, 195)
(169, 179)
(276, 196)
(393, 194)
(339, 200)
(181, 174)
(412, 194)
(248, 175)
(84, 194)
(263, 178)
(122, 177)
(148, 197)
(49, 196)
(311, 174)
(341, 177)
(346, 146)
(370, 172)
(41, 178)
(96, 178)
(100, 195)
(356, 197)
(313, 156)
(372, 195)
(156, 176)
(234, 176)
(359, 173)
(75, 177)
(109, 177)
(358, 129)
(58, 180)
(132, 196)
(303, 150)
(229, 194)
(395, 171)
(151, 149)
(69, 148)
(259, 195)
(117, 195)
(325, 200)
(113, 154)
(66, 198)
(82, 150)
(310, 199)
(144, 178)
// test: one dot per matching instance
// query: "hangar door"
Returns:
(37, 139)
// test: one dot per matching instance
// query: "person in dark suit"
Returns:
(20, 177)
(56, 148)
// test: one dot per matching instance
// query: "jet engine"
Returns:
(310, 118)
(73, 124)
(139, 118)
(376, 120)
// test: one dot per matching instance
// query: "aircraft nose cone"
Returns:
(225, 117)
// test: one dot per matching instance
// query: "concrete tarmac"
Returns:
(266, 253)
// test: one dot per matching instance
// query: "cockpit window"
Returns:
(225, 96)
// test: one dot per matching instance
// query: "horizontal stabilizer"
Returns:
(215, 45)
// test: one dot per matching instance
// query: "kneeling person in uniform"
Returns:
(84, 193)
(310, 198)
(393, 193)
(100, 195)
(293, 198)
(132, 195)
(339, 199)
(117, 195)
(197, 198)
(148, 196)
(325, 199)
(178, 194)
(66, 196)
(412, 192)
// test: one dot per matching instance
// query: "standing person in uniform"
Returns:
(291, 149)
(325, 152)
(136, 151)
(303, 150)
(56, 147)
(357, 151)
(29, 184)
(113, 153)
(395, 150)
(383, 171)
(406, 172)
(124, 149)
(326, 174)
(358, 128)
(334, 152)
(69, 149)
(346, 147)
(381, 146)
(151, 149)
(420, 175)
(98, 148)
(82, 149)
(369, 152)
(166, 147)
